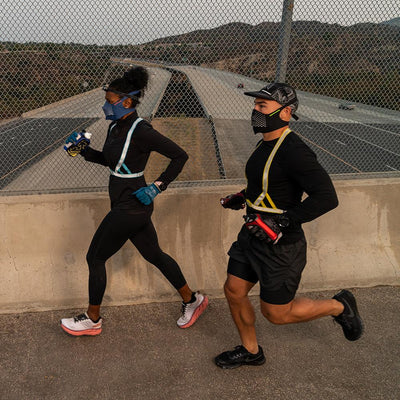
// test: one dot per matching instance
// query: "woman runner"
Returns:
(128, 145)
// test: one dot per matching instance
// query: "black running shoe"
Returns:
(239, 356)
(349, 319)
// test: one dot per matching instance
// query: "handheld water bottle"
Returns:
(77, 142)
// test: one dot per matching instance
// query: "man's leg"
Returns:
(242, 311)
(249, 353)
(279, 280)
(343, 307)
(301, 309)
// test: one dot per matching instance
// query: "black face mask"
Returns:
(264, 123)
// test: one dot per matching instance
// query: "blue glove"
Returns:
(77, 142)
(147, 194)
(72, 138)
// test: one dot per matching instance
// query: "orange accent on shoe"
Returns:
(199, 310)
(89, 332)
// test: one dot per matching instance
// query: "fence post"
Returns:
(284, 40)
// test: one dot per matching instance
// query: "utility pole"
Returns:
(284, 40)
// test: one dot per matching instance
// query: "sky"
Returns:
(133, 22)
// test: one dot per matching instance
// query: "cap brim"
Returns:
(260, 95)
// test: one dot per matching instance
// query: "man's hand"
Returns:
(235, 201)
(147, 194)
(264, 228)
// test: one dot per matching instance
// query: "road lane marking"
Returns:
(363, 140)
(16, 127)
(394, 169)
(331, 154)
(37, 154)
(360, 110)
(351, 121)
(26, 144)
(344, 144)
(356, 137)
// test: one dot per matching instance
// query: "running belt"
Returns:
(121, 170)
(259, 203)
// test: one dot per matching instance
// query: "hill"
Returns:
(358, 63)
(394, 22)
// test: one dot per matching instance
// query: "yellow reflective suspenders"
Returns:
(259, 203)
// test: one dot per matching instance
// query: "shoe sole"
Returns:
(356, 313)
(233, 366)
(87, 332)
(199, 310)
(361, 331)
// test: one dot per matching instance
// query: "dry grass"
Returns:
(195, 137)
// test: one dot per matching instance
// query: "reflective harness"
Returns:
(259, 204)
(126, 173)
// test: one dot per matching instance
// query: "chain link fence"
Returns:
(343, 58)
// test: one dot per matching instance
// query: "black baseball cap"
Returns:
(280, 92)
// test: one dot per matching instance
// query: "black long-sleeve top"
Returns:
(145, 139)
(293, 172)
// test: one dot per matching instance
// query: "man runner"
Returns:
(271, 247)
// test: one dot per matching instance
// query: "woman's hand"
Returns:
(147, 194)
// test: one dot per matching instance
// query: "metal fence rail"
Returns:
(343, 59)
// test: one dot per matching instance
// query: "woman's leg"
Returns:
(146, 242)
(194, 304)
(111, 235)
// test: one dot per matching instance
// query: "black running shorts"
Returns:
(277, 267)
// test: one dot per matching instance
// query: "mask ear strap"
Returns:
(131, 95)
(295, 117)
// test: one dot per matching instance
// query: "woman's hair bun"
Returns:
(137, 77)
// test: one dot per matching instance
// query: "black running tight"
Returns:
(116, 228)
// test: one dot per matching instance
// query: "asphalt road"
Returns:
(353, 148)
(361, 141)
(38, 137)
(26, 141)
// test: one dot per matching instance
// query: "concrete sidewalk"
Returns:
(141, 354)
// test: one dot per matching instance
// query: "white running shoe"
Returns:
(192, 311)
(81, 325)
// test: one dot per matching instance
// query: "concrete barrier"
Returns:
(44, 240)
